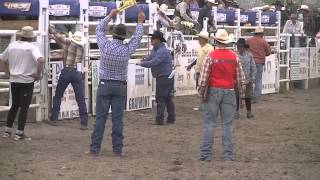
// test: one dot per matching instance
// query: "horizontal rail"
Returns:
(7, 108)
(4, 90)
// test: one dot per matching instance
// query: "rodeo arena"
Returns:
(159, 90)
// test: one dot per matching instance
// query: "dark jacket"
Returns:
(205, 12)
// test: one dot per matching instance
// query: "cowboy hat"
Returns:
(157, 35)
(222, 36)
(278, 3)
(265, 7)
(258, 30)
(304, 7)
(26, 32)
(77, 38)
(212, 2)
(164, 9)
(204, 35)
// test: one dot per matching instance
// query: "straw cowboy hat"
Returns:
(258, 30)
(77, 38)
(304, 7)
(222, 36)
(204, 35)
(265, 7)
(26, 32)
(164, 8)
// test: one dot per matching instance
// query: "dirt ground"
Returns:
(281, 142)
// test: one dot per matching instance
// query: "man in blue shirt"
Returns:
(160, 62)
(114, 57)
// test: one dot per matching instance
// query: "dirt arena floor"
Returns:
(281, 142)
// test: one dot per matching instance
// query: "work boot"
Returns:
(249, 115)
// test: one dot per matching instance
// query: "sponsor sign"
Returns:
(97, 11)
(269, 75)
(299, 63)
(59, 10)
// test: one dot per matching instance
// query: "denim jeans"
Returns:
(70, 75)
(258, 84)
(109, 94)
(225, 101)
(164, 87)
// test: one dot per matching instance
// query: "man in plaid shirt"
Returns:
(220, 72)
(113, 70)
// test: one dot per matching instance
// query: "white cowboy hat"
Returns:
(203, 34)
(26, 32)
(258, 30)
(266, 7)
(213, 2)
(223, 36)
(164, 8)
(304, 7)
(77, 38)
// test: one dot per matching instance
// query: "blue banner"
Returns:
(268, 18)
(226, 16)
(19, 7)
(64, 7)
(248, 17)
(132, 12)
(101, 9)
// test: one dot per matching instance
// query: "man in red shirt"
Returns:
(259, 49)
(220, 72)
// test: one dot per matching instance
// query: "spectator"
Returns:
(291, 7)
(284, 15)
(206, 11)
(293, 26)
(220, 72)
(115, 55)
(259, 48)
(309, 26)
(249, 69)
(24, 63)
(265, 8)
(160, 62)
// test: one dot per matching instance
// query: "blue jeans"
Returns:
(70, 75)
(225, 101)
(164, 100)
(109, 93)
(258, 83)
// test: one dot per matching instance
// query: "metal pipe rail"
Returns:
(7, 108)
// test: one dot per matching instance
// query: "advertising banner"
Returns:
(69, 107)
(269, 75)
(314, 68)
(299, 63)
(184, 81)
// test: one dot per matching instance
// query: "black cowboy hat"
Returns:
(158, 35)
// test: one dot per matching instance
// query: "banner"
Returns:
(299, 63)
(94, 83)
(313, 71)
(139, 87)
(69, 107)
(184, 81)
(97, 11)
(269, 75)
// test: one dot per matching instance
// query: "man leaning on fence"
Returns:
(220, 72)
(73, 54)
(111, 92)
(25, 63)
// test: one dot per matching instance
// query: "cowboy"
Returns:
(111, 92)
(160, 62)
(25, 64)
(219, 73)
(309, 26)
(259, 48)
(183, 17)
(205, 48)
(279, 7)
(249, 68)
(73, 48)
(206, 12)
(162, 18)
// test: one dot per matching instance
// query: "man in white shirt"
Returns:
(24, 63)
(293, 26)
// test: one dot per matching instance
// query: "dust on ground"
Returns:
(281, 142)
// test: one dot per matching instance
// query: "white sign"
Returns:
(69, 107)
(184, 81)
(94, 83)
(97, 11)
(313, 71)
(299, 63)
(244, 18)
(269, 75)
(139, 87)
(221, 17)
(265, 19)
(59, 10)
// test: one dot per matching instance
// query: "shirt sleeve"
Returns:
(155, 60)
(241, 80)
(36, 54)
(253, 68)
(4, 56)
(136, 38)
(204, 78)
(183, 12)
(100, 32)
(285, 28)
